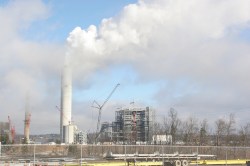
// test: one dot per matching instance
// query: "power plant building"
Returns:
(133, 125)
(80, 137)
(68, 132)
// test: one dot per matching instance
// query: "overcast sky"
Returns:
(191, 55)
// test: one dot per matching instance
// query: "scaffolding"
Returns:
(133, 126)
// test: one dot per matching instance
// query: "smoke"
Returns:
(168, 33)
(195, 47)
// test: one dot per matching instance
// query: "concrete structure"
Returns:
(162, 139)
(133, 125)
(68, 133)
(27, 127)
(66, 105)
(80, 137)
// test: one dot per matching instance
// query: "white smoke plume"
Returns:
(166, 35)
(195, 47)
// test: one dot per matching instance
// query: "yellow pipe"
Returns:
(220, 162)
(118, 164)
(159, 163)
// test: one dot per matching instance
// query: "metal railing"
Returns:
(78, 153)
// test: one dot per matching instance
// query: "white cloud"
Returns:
(27, 67)
(178, 40)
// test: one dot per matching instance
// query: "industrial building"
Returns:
(80, 137)
(133, 126)
(68, 133)
(72, 135)
(7, 132)
(4, 132)
(162, 139)
(4, 127)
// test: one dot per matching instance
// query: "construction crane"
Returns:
(99, 107)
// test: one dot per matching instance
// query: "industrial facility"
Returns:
(131, 126)
(7, 132)
(5, 129)
(69, 133)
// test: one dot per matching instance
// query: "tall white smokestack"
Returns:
(66, 99)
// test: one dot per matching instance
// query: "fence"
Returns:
(96, 152)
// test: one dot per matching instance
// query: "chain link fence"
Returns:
(79, 153)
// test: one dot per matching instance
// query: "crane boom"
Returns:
(99, 107)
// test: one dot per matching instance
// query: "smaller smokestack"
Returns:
(27, 127)
(27, 122)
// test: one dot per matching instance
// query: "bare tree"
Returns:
(166, 125)
(174, 123)
(158, 128)
(190, 131)
(230, 128)
(244, 134)
(220, 130)
(203, 132)
(225, 129)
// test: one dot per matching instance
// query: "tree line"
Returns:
(193, 131)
